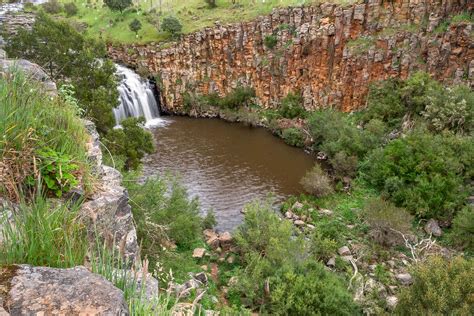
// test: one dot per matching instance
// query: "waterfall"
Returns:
(136, 98)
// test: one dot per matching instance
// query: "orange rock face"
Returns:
(328, 53)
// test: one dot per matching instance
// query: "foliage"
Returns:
(135, 26)
(316, 182)
(70, 8)
(309, 290)
(270, 41)
(423, 173)
(130, 141)
(212, 3)
(462, 234)
(293, 137)
(451, 109)
(463, 17)
(240, 96)
(322, 246)
(387, 222)
(43, 234)
(333, 132)
(52, 7)
(209, 221)
(118, 5)
(58, 171)
(29, 121)
(344, 165)
(275, 265)
(162, 210)
(440, 287)
(171, 25)
(292, 106)
(69, 57)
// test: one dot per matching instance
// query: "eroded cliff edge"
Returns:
(329, 53)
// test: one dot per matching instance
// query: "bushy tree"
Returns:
(171, 25)
(292, 106)
(423, 173)
(451, 108)
(135, 26)
(68, 57)
(118, 5)
(440, 287)
(130, 141)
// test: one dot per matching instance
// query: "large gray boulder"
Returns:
(27, 290)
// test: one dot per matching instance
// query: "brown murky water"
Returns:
(226, 165)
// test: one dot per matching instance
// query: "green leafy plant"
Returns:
(135, 26)
(171, 25)
(58, 171)
(71, 9)
(462, 234)
(118, 5)
(270, 41)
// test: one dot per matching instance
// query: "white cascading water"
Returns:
(136, 98)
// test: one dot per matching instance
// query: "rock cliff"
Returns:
(329, 53)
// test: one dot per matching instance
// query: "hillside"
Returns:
(193, 15)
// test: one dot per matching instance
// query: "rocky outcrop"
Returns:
(33, 71)
(107, 212)
(329, 53)
(27, 290)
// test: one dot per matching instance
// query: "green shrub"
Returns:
(387, 222)
(462, 234)
(309, 290)
(423, 173)
(118, 5)
(209, 220)
(163, 210)
(344, 165)
(270, 41)
(130, 141)
(44, 235)
(71, 9)
(171, 25)
(276, 270)
(135, 26)
(316, 182)
(240, 96)
(322, 246)
(440, 287)
(463, 17)
(292, 106)
(451, 109)
(333, 132)
(293, 137)
(52, 7)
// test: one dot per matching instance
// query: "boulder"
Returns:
(331, 262)
(33, 71)
(297, 206)
(432, 228)
(404, 278)
(49, 291)
(344, 251)
(392, 302)
(225, 241)
(326, 212)
(199, 253)
(299, 222)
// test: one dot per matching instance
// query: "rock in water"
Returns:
(31, 290)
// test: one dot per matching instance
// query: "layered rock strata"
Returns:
(329, 53)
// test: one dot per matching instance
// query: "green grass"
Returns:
(43, 235)
(30, 121)
(193, 15)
